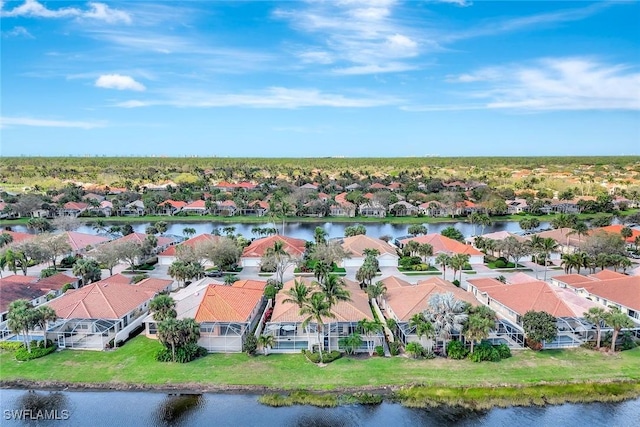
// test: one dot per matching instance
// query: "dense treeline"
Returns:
(112, 170)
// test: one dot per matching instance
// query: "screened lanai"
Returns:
(88, 334)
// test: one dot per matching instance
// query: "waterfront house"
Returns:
(197, 207)
(103, 313)
(290, 337)
(73, 209)
(443, 244)
(511, 301)
(168, 256)
(105, 208)
(372, 209)
(170, 207)
(403, 208)
(342, 207)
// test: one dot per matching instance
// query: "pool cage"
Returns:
(87, 334)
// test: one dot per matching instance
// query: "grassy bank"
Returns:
(135, 364)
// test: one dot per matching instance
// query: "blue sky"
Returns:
(320, 78)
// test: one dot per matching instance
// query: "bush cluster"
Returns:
(184, 354)
(38, 349)
(487, 352)
(250, 344)
(11, 345)
(456, 350)
(327, 357)
(379, 350)
(394, 348)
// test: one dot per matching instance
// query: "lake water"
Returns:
(304, 230)
(147, 409)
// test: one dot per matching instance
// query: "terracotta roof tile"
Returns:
(444, 244)
(257, 248)
(228, 304)
(357, 244)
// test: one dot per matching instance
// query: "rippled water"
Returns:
(158, 409)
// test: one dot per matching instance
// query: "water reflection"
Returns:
(176, 408)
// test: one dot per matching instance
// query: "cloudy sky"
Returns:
(320, 78)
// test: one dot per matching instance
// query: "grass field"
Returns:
(134, 363)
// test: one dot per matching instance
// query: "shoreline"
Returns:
(410, 395)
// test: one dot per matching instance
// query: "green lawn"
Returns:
(134, 363)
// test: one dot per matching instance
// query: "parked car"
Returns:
(214, 273)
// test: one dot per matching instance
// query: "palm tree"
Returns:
(334, 290)
(298, 294)
(580, 229)
(411, 247)
(21, 318)
(478, 328)
(178, 271)
(168, 334)
(266, 342)
(316, 308)
(5, 239)
(369, 328)
(617, 320)
(546, 246)
(99, 226)
(484, 221)
(595, 316)
(425, 250)
(443, 261)
(447, 315)
(376, 290)
(423, 327)
(163, 308)
(457, 263)
(188, 231)
(320, 235)
(321, 271)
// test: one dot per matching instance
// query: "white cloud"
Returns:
(356, 35)
(274, 97)
(97, 11)
(316, 57)
(119, 82)
(392, 67)
(557, 84)
(28, 121)
(18, 32)
(461, 3)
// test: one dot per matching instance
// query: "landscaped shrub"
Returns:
(415, 349)
(47, 272)
(327, 357)
(66, 287)
(503, 351)
(68, 261)
(250, 344)
(456, 350)
(500, 264)
(485, 352)
(456, 282)
(379, 350)
(391, 324)
(628, 343)
(184, 354)
(11, 345)
(23, 355)
(270, 292)
(394, 348)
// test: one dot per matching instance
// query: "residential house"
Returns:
(617, 229)
(290, 336)
(353, 187)
(225, 208)
(517, 206)
(252, 254)
(168, 256)
(73, 209)
(443, 244)
(197, 207)
(372, 209)
(94, 197)
(342, 207)
(170, 207)
(403, 300)
(511, 301)
(568, 240)
(403, 208)
(309, 187)
(256, 208)
(607, 288)
(356, 246)
(105, 208)
(103, 313)
(135, 208)
(82, 242)
(433, 209)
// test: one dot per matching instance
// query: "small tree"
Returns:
(596, 315)
(88, 270)
(350, 343)
(107, 255)
(355, 230)
(618, 321)
(163, 307)
(539, 326)
(266, 342)
(417, 229)
(369, 328)
(250, 345)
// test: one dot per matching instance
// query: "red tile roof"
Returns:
(405, 301)
(197, 204)
(614, 287)
(177, 204)
(616, 229)
(79, 241)
(79, 206)
(257, 248)
(534, 295)
(139, 238)
(18, 287)
(444, 244)
(18, 236)
(192, 242)
(356, 245)
(101, 300)
(228, 304)
(345, 311)
(56, 282)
